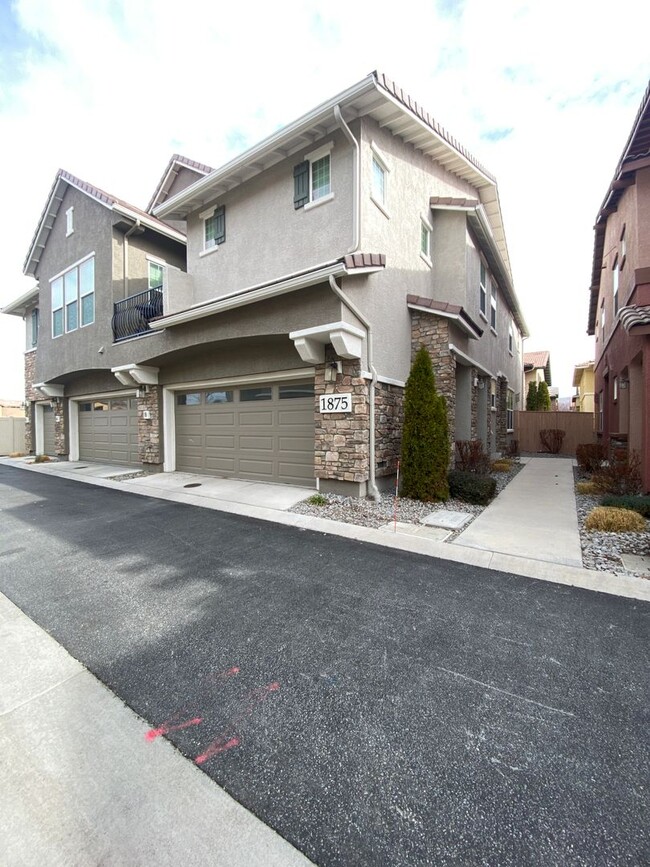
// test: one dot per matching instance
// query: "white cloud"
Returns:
(109, 90)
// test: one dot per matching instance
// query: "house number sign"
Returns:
(336, 403)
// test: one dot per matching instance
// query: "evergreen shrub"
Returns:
(640, 504)
(471, 487)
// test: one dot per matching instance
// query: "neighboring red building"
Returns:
(619, 310)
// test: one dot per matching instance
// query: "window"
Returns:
(156, 274)
(616, 388)
(291, 392)
(189, 399)
(493, 309)
(600, 410)
(214, 227)
(623, 247)
(34, 326)
(493, 394)
(312, 178)
(69, 221)
(511, 341)
(615, 276)
(73, 298)
(483, 290)
(510, 410)
(602, 320)
(425, 241)
(261, 393)
(378, 182)
(219, 397)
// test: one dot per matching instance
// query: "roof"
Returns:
(175, 164)
(64, 179)
(634, 317)
(540, 360)
(374, 96)
(21, 305)
(448, 311)
(636, 150)
(579, 370)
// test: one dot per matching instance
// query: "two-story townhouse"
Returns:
(583, 382)
(619, 309)
(318, 262)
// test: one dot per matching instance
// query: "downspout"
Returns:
(356, 180)
(336, 289)
(134, 228)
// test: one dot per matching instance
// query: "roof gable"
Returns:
(62, 181)
(175, 166)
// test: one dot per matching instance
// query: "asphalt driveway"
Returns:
(373, 706)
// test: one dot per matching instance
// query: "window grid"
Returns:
(210, 232)
(156, 274)
(73, 292)
(320, 178)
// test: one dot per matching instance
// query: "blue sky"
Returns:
(543, 94)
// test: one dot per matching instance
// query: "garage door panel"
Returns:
(269, 440)
(109, 435)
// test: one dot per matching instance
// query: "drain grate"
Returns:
(193, 485)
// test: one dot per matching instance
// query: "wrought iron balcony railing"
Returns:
(133, 315)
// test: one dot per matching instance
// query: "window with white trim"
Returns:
(602, 319)
(493, 308)
(511, 340)
(379, 175)
(623, 246)
(483, 283)
(73, 298)
(34, 327)
(69, 221)
(425, 240)
(493, 394)
(510, 410)
(156, 275)
(615, 279)
(214, 227)
(312, 178)
(616, 388)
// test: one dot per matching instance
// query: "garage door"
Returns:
(48, 430)
(108, 431)
(263, 432)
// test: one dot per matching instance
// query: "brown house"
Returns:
(619, 310)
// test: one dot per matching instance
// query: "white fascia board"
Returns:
(447, 315)
(50, 389)
(151, 224)
(20, 305)
(267, 145)
(249, 296)
(471, 361)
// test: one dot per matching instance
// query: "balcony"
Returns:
(132, 316)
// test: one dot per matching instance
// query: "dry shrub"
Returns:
(612, 520)
(590, 456)
(587, 487)
(500, 466)
(471, 457)
(42, 459)
(622, 475)
(552, 439)
(17, 455)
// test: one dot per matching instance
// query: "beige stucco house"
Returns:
(584, 383)
(296, 283)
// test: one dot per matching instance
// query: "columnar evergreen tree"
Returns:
(543, 397)
(425, 438)
(531, 397)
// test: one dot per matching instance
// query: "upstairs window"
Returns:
(493, 309)
(312, 178)
(214, 227)
(602, 320)
(73, 297)
(425, 241)
(615, 278)
(623, 247)
(34, 327)
(156, 275)
(483, 278)
(69, 221)
(511, 340)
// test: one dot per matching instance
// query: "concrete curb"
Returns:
(543, 570)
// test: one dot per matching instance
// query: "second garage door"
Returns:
(108, 431)
(263, 432)
(48, 430)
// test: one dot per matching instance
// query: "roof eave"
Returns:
(20, 306)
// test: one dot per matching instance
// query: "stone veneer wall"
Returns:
(389, 421)
(432, 332)
(501, 431)
(474, 404)
(149, 438)
(30, 396)
(342, 440)
(60, 427)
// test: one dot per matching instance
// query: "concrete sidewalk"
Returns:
(533, 517)
(82, 784)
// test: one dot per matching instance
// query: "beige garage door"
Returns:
(48, 430)
(262, 432)
(108, 431)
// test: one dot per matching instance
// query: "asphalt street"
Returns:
(373, 706)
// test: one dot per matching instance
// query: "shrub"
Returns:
(621, 475)
(587, 487)
(612, 520)
(552, 440)
(42, 459)
(17, 455)
(425, 436)
(531, 397)
(318, 500)
(471, 487)
(639, 504)
(503, 465)
(590, 456)
(471, 457)
(543, 397)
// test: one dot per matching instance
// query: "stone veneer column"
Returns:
(474, 404)
(31, 395)
(501, 430)
(432, 332)
(60, 427)
(389, 421)
(149, 440)
(342, 440)
(490, 419)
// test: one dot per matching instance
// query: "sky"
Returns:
(542, 93)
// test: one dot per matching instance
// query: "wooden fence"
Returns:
(12, 435)
(578, 428)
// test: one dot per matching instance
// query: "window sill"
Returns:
(511, 353)
(493, 409)
(494, 331)
(311, 205)
(482, 315)
(381, 207)
(208, 251)
(426, 259)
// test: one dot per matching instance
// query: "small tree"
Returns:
(425, 438)
(543, 397)
(531, 397)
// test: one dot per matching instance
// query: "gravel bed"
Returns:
(367, 513)
(124, 477)
(602, 551)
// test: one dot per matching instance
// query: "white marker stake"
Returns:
(396, 499)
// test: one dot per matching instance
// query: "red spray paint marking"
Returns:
(165, 728)
(222, 675)
(219, 745)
